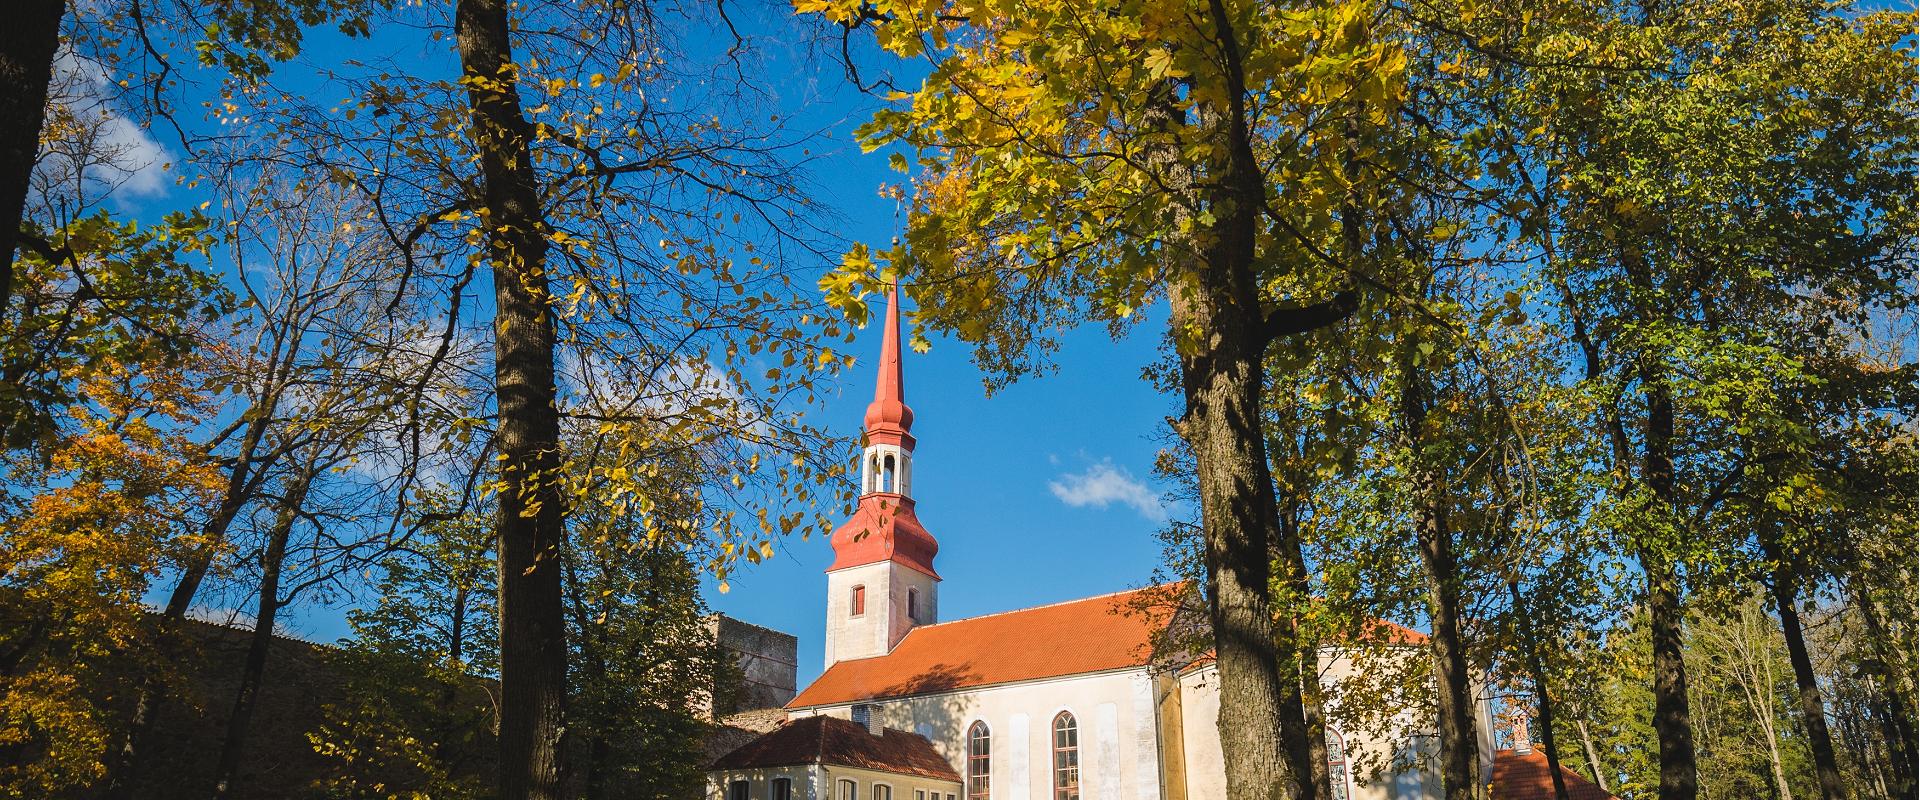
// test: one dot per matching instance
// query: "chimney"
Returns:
(865, 715)
(1522, 737)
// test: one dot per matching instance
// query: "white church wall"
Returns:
(884, 620)
(1117, 733)
(1411, 743)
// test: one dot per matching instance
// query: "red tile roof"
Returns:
(1092, 635)
(1524, 776)
(842, 743)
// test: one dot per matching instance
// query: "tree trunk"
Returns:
(1896, 721)
(1223, 386)
(1302, 654)
(1536, 663)
(533, 646)
(260, 644)
(1593, 755)
(1813, 707)
(1672, 722)
(27, 47)
(125, 768)
(1459, 760)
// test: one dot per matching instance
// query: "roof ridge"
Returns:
(1034, 608)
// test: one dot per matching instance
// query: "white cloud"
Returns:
(1105, 484)
(106, 150)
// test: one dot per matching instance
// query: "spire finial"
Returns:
(888, 417)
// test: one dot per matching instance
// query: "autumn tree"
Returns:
(1069, 167)
(1695, 197)
(418, 714)
(625, 241)
(92, 519)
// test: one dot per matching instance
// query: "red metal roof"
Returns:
(1524, 776)
(1092, 635)
(884, 528)
(839, 742)
(888, 417)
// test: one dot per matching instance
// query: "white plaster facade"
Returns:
(1143, 735)
(1118, 731)
(829, 782)
(887, 586)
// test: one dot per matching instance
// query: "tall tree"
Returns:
(1679, 239)
(533, 645)
(1077, 167)
(26, 68)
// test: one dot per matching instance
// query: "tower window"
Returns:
(887, 483)
(913, 604)
(859, 601)
(1066, 758)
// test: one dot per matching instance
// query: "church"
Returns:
(1056, 702)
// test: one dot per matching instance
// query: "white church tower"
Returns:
(882, 582)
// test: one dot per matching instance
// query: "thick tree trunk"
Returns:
(533, 646)
(1672, 721)
(260, 644)
(1813, 708)
(27, 45)
(1459, 741)
(1223, 386)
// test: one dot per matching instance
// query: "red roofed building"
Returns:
(1057, 702)
(1523, 774)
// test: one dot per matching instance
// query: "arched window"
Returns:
(886, 474)
(859, 601)
(1066, 758)
(849, 790)
(1337, 764)
(913, 604)
(979, 762)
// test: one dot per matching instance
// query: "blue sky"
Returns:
(1038, 494)
(1027, 491)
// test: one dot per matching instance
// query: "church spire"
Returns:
(888, 417)
(881, 583)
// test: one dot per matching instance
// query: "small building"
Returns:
(829, 758)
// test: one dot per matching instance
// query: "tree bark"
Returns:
(260, 644)
(533, 647)
(1593, 755)
(1672, 722)
(1813, 707)
(1309, 750)
(1459, 741)
(1223, 388)
(27, 46)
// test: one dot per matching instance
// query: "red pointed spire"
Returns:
(883, 527)
(888, 417)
